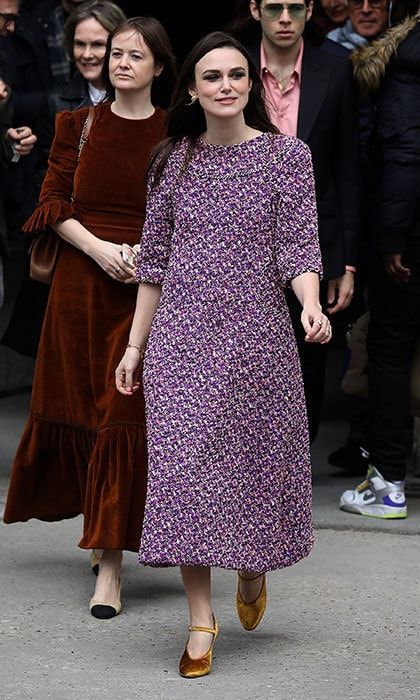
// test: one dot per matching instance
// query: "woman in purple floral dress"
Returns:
(230, 221)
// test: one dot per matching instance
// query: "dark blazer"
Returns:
(27, 53)
(327, 122)
(24, 328)
(5, 154)
(72, 96)
(30, 77)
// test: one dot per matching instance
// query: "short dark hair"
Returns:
(188, 120)
(107, 13)
(244, 25)
(258, 2)
(156, 38)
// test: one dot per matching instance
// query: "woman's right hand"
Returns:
(109, 258)
(127, 371)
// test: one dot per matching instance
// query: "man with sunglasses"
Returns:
(310, 95)
(367, 20)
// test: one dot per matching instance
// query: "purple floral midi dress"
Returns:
(229, 481)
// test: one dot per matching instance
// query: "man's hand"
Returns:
(394, 268)
(341, 292)
(23, 139)
(4, 92)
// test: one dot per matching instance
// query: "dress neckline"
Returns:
(134, 121)
(207, 144)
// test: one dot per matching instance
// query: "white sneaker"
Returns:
(376, 497)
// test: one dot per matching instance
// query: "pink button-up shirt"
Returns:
(283, 107)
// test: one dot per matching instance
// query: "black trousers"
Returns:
(394, 332)
(313, 361)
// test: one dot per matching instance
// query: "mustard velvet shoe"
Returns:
(195, 668)
(251, 614)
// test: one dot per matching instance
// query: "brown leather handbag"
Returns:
(45, 248)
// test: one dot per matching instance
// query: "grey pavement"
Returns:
(341, 624)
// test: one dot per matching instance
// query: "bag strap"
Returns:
(85, 131)
(84, 136)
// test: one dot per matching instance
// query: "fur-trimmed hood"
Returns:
(371, 62)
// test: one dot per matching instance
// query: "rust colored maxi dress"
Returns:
(84, 447)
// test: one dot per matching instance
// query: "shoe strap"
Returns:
(198, 628)
(244, 578)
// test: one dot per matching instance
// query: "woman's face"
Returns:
(336, 10)
(222, 82)
(89, 47)
(131, 63)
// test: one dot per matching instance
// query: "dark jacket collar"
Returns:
(316, 71)
(76, 89)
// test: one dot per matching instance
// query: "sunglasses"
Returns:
(8, 18)
(275, 9)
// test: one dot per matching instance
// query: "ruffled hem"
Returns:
(49, 473)
(48, 213)
(116, 489)
(62, 471)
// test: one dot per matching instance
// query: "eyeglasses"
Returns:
(8, 18)
(275, 9)
(357, 4)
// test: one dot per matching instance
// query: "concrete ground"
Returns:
(341, 624)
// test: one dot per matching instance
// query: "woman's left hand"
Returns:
(316, 324)
(126, 379)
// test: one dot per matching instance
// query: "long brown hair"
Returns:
(107, 14)
(188, 120)
(156, 38)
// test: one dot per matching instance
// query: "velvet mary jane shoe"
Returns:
(251, 614)
(195, 668)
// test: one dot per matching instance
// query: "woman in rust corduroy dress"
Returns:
(84, 446)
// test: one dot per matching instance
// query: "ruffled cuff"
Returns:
(47, 214)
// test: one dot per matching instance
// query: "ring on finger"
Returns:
(318, 321)
(117, 270)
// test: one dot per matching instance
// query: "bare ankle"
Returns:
(249, 575)
(202, 617)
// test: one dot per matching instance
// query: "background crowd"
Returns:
(351, 91)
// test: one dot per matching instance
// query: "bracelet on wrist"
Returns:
(140, 349)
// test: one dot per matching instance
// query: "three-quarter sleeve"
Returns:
(155, 244)
(296, 238)
(55, 202)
